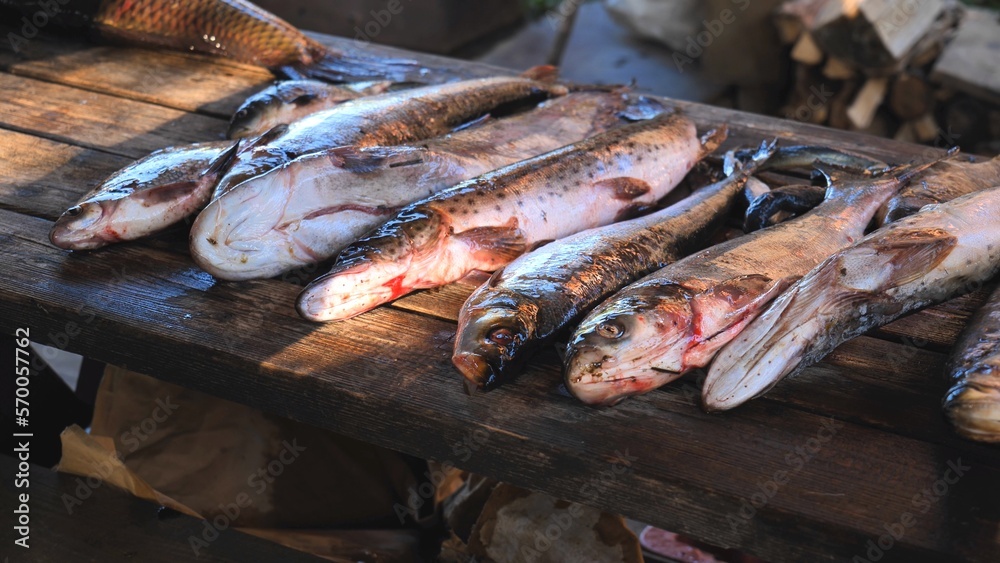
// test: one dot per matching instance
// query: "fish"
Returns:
(145, 197)
(806, 156)
(781, 204)
(943, 251)
(392, 118)
(676, 319)
(949, 181)
(287, 101)
(972, 403)
(484, 223)
(234, 29)
(528, 302)
(310, 208)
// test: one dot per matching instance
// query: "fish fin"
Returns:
(364, 160)
(474, 123)
(535, 246)
(736, 299)
(222, 163)
(495, 278)
(713, 138)
(303, 99)
(625, 188)
(880, 264)
(542, 73)
(492, 247)
(264, 138)
(643, 108)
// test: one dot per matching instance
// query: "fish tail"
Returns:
(906, 172)
(339, 67)
(713, 138)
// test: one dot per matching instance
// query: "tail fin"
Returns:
(356, 67)
(905, 172)
(713, 138)
(221, 164)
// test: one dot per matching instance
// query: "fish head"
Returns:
(631, 344)
(495, 335)
(84, 226)
(387, 264)
(264, 109)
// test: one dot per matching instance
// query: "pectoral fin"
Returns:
(364, 160)
(895, 260)
(492, 247)
(625, 188)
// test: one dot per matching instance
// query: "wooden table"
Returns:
(857, 443)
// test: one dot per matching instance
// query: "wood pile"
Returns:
(917, 70)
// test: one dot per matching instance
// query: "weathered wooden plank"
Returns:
(385, 378)
(42, 178)
(109, 525)
(98, 121)
(182, 81)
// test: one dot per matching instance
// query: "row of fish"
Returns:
(413, 187)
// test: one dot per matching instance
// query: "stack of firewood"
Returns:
(916, 70)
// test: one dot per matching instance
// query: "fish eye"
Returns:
(242, 114)
(611, 329)
(501, 336)
(74, 211)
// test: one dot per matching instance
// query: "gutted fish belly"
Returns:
(309, 209)
(943, 251)
(486, 222)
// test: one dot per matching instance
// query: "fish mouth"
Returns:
(974, 412)
(600, 379)
(476, 369)
(80, 228)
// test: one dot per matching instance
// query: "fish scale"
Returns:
(487, 221)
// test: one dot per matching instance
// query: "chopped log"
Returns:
(806, 51)
(971, 62)
(795, 16)
(869, 98)
(840, 102)
(925, 128)
(905, 133)
(809, 102)
(910, 96)
(873, 34)
(838, 69)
